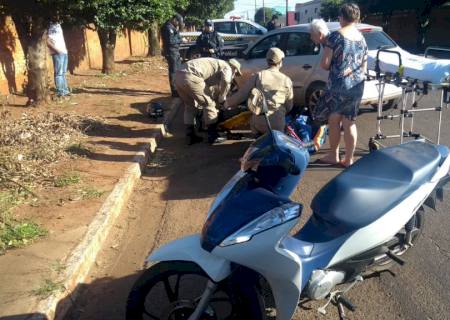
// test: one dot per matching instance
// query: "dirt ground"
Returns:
(121, 100)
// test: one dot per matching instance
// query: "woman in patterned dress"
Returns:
(345, 57)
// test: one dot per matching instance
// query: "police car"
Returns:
(236, 33)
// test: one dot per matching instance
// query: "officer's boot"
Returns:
(191, 137)
(213, 135)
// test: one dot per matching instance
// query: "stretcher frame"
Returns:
(408, 103)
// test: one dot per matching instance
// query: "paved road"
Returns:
(179, 185)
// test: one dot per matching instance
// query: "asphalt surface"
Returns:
(180, 183)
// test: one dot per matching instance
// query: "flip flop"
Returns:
(341, 164)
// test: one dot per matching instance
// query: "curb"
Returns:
(84, 255)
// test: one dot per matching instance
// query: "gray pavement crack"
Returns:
(444, 252)
(162, 224)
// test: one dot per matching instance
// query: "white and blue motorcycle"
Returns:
(364, 219)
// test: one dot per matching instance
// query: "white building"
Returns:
(306, 12)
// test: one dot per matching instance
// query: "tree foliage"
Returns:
(199, 10)
(329, 10)
(266, 13)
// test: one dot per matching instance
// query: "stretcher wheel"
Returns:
(373, 145)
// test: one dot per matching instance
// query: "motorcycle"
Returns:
(364, 220)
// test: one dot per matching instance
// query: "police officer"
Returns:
(194, 82)
(272, 24)
(277, 89)
(210, 43)
(171, 47)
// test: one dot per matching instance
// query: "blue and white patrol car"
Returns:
(237, 34)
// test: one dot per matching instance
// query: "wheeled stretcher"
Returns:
(415, 76)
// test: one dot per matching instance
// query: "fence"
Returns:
(83, 46)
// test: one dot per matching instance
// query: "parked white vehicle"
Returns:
(236, 33)
(302, 62)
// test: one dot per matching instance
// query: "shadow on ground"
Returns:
(193, 172)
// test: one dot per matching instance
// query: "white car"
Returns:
(302, 62)
(237, 34)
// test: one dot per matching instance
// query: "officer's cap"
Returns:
(178, 17)
(275, 55)
(236, 65)
(208, 22)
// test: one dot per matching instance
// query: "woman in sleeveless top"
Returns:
(345, 56)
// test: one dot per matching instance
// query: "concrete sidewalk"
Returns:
(34, 279)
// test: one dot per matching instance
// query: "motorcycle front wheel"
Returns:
(171, 291)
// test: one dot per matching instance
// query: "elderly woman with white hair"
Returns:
(345, 57)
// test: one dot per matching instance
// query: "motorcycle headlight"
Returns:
(270, 219)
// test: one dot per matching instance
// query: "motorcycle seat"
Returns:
(375, 184)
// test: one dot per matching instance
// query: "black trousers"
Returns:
(174, 61)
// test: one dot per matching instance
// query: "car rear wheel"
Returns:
(313, 94)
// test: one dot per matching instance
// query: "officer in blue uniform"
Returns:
(210, 43)
(171, 47)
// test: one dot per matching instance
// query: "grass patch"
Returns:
(17, 234)
(112, 76)
(67, 179)
(47, 288)
(9, 199)
(91, 193)
(58, 266)
(80, 149)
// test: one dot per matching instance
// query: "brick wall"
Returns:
(403, 28)
(83, 46)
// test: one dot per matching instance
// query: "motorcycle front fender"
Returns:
(282, 268)
(189, 249)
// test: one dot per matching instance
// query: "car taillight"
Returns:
(365, 30)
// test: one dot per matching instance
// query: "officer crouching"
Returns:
(210, 43)
(194, 82)
(277, 90)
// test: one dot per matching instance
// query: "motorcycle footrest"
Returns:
(346, 302)
(395, 258)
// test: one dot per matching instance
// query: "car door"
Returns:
(255, 59)
(302, 59)
(225, 27)
(247, 31)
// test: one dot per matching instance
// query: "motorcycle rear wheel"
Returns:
(171, 291)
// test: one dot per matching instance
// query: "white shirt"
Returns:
(56, 38)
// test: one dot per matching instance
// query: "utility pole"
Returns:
(287, 13)
(264, 14)
(255, 12)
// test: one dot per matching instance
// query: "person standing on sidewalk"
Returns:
(58, 51)
(194, 82)
(171, 47)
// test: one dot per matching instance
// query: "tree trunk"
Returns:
(108, 43)
(33, 37)
(153, 40)
(37, 65)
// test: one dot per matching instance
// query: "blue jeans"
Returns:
(60, 66)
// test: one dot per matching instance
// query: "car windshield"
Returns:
(378, 40)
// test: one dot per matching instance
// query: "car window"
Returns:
(300, 44)
(259, 51)
(246, 28)
(225, 27)
(377, 39)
